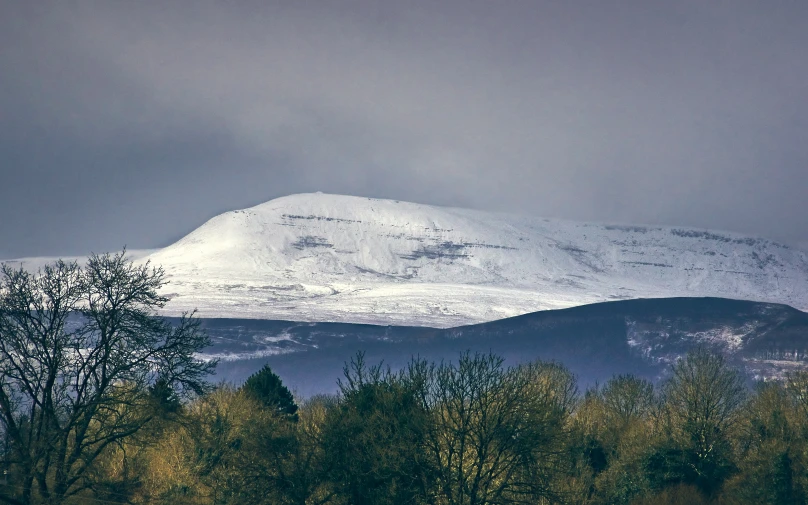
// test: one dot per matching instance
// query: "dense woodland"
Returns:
(114, 407)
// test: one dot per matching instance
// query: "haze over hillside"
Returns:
(641, 337)
(321, 257)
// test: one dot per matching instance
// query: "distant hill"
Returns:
(596, 341)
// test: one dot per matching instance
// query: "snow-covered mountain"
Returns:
(320, 257)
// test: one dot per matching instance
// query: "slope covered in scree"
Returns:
(320, 257)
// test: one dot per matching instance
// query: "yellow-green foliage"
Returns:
(475, 432)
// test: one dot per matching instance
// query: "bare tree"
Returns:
(627, 397)
(797, 386)
(78, 349)
(701, 405)
(498, 433)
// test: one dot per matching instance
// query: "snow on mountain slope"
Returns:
(320, 257)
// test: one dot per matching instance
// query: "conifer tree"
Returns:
(267, 388)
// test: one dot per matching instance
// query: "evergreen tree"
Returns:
(267, 388)
(165, 400)
(375, 438)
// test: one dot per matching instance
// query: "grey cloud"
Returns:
(682, 113)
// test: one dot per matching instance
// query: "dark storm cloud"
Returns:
(132, 123)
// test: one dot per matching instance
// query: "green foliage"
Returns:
(475, 431)
(616, 424)
(268, 389)
(164, 398)
(375, 439)
(675, 495)
(772, 467)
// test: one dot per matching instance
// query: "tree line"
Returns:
(102, 402)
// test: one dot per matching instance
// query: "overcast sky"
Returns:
(134, 122)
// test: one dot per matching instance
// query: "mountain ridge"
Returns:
(643, 337)
(321, 257)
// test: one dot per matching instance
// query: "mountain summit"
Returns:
(321, 257)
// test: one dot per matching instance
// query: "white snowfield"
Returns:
(320, 257)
